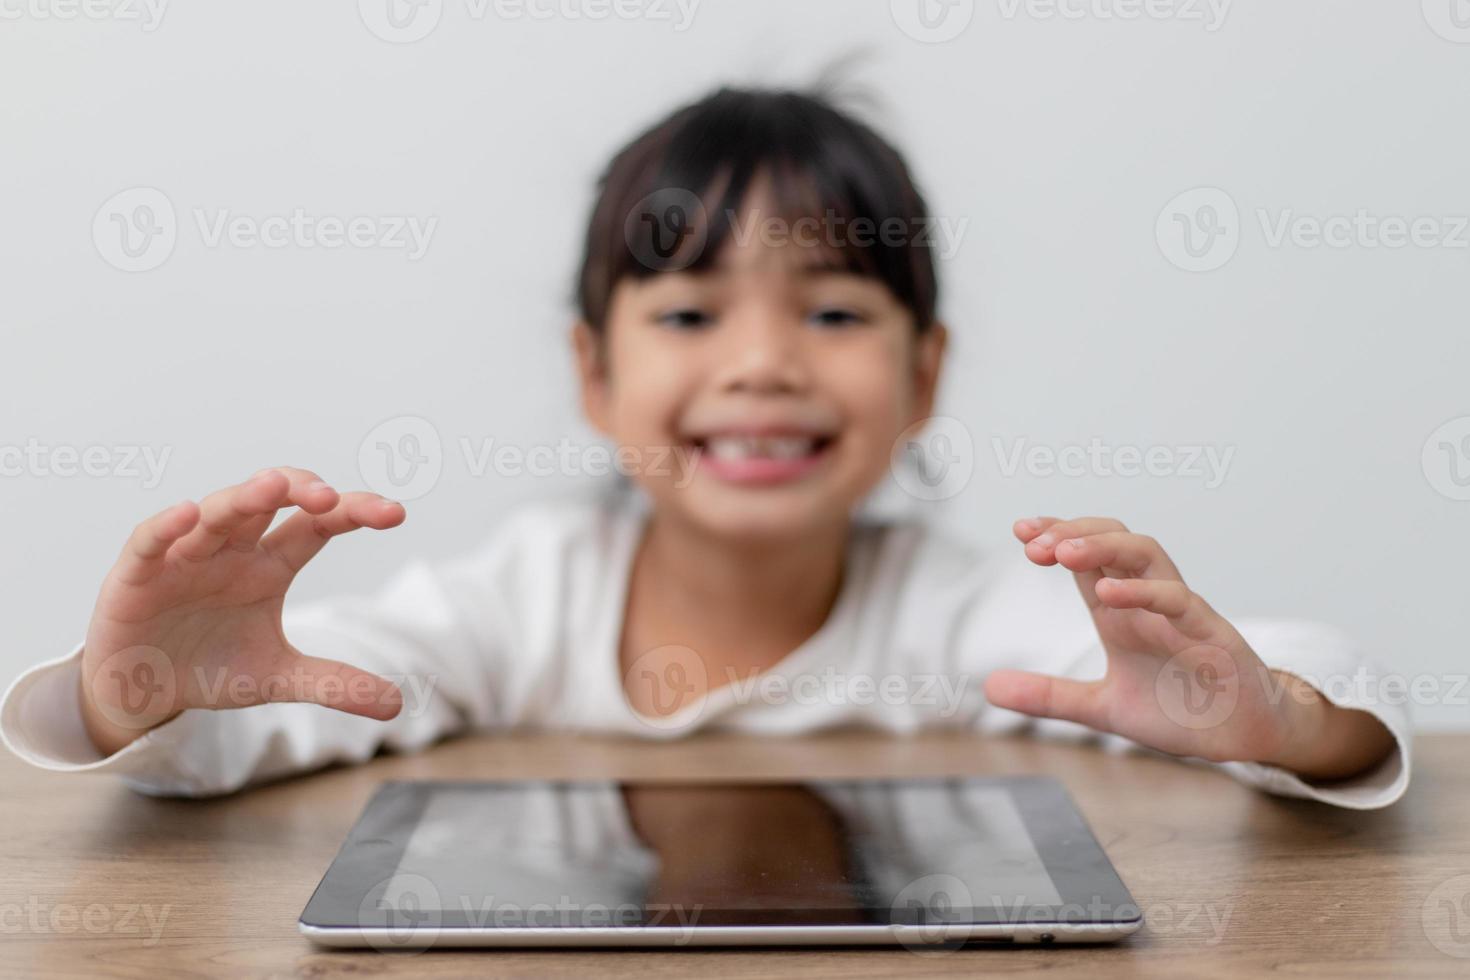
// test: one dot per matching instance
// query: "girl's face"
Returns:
(760, 398)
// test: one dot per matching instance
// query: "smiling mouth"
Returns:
(734, 447)
(764, 459)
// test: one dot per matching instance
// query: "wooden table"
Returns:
(100, 881)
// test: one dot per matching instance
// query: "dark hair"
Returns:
(690, 174)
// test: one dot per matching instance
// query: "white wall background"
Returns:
(1059, 139)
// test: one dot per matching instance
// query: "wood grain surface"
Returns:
(100, 881)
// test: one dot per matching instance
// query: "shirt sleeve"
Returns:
(1328, 660)
(434, 632)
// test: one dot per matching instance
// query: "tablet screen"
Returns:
(834, 848)
(598, 854)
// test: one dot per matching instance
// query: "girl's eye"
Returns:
(836, 317)
(685, 319)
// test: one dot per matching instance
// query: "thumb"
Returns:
(1044, 696)
(334, 684)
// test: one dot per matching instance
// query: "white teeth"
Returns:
(791, 447)
(763, 447)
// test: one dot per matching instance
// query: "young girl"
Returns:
(757, 331)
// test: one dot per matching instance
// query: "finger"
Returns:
(1116, 551)
(333, 684)
(301, 536)
(1041, 546)
(1044, 696)
(1029, 527)
(306, 490)
(1042, 534)
(224, 510)
(142, 557)
(315, 495)
(1170, 598)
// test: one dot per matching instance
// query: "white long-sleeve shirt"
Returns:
(524, 633)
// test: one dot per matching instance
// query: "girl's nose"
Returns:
(764, 355)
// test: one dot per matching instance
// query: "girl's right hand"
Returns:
(190, 616)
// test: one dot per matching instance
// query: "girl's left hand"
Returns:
(1179, 677)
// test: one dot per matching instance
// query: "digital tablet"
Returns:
(922, 863)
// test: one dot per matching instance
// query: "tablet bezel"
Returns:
(1096, 905)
